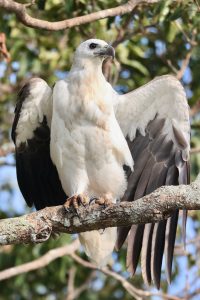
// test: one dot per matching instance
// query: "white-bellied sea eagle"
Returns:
(82, 140)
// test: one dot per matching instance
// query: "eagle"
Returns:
(81, 140)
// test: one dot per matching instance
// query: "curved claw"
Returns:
(93, 200)
(76, 201)
(101, 201)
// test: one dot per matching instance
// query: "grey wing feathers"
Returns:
(37, 176)
(158, 162)
(155, 121)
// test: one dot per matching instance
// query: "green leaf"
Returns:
(172, 32)
(138, 66)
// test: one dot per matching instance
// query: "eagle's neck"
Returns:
(88, 66)
(87, 73)
(88, 85)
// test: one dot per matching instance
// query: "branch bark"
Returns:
(38, 226)
(22, 15)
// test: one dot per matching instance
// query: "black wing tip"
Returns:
(169, 243)
(147, 281)
(157, 283)
(131, 268)
(122, 233)
(158, 243)
(169, 276)
(146, 254)
(184, 223)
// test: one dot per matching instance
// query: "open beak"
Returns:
(107, 51)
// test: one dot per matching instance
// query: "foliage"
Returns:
(154, 41)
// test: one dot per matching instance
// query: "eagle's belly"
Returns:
(105, 173)
(86, 162)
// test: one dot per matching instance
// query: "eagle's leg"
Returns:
(76, 200)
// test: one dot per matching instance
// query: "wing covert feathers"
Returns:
(155, 120)
(37, 176)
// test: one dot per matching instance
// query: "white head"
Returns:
(94, 50)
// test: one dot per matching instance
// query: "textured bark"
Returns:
(38, 226)
(22, 15)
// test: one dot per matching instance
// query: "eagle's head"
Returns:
(94, 49)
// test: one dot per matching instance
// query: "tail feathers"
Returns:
(99, 245)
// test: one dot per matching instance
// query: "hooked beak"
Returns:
(107, 51)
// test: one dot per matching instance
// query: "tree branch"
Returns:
(51, 255)
(40, 262)
(3, 49)
(195, 109)
(38, 226)
(22, 15)
(72, 292)
(138, 294)
(195, 150)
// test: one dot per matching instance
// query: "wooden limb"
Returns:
(3, 49)
(73, 293)
(138, 294)
(184, 65)
(195, 150)
(70, 283)
(195, 109)
(40, 262)
(38, 226)
(22, 15)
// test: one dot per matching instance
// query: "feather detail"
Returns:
(160, 147)
(37, 176)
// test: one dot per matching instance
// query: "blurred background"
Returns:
(153, 40)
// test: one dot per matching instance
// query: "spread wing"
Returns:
(155, 121)
(37, 176)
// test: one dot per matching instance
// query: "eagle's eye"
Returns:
(92, 45)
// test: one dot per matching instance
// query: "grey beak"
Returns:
(107, 51)
(110, 51)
